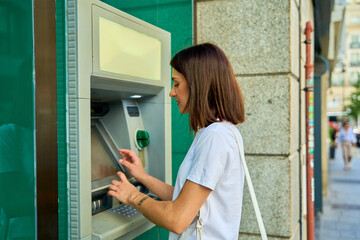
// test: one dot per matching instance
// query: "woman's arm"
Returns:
(161, 189)
(174, 216)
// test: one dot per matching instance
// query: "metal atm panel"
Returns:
(110, 219)
(97, 137)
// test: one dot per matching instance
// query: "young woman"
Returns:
(209, 186)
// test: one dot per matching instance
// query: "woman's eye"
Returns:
(176, 85)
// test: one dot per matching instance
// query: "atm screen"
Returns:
(101, 163)
(123, 50)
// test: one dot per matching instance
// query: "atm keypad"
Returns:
(125, 210)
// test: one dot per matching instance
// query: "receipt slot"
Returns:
(119, 99)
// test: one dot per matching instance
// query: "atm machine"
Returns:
(119, 80)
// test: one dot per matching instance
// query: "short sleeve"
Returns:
(211, 155)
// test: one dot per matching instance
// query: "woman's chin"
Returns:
(182, 110)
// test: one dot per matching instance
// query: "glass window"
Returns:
(355, 20)
(355, 38)
(355, 59)
(337, 79)
(355, 41)
(354, 76)
(17, 127)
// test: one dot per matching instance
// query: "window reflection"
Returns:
(17, 177)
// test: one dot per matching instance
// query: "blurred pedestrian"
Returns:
(333, 135)
(347, 139)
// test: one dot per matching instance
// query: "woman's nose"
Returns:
(172, 93)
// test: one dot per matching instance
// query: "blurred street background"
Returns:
(341, 207)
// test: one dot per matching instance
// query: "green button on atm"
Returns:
(142, 139)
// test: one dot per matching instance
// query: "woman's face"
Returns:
(180, 91)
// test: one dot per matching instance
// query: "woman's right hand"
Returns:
(133, 163)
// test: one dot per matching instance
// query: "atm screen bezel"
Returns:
(137, 25)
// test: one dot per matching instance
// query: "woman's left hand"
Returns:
(123, 191)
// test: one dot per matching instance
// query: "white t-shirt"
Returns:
(213, 161)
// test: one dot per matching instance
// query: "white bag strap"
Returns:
(199, 227)
(251, 188)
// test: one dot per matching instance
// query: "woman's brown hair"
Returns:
(214, 93)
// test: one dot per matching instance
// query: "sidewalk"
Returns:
(340, 219)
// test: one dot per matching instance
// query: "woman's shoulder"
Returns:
(214, 128)
(223, 130)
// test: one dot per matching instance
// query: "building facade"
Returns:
(265, 44)
(352, 42)
(347, 69)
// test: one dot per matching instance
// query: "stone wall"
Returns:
(262, 41)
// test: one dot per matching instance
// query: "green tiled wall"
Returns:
(174, 16)
(17, 125)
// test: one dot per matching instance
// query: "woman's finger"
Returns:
(127, 158)
(111, 193)
(113, 188)
(124, 151)
(116, 183)
(128, 153)
(122, 176)
(125, 163)
(132, 154)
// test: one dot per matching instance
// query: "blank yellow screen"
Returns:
(125, 51)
